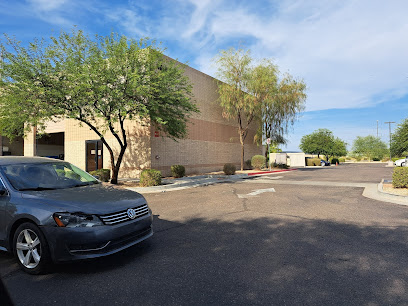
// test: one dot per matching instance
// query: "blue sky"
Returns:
(353, 55)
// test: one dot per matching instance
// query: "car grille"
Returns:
(122, 216)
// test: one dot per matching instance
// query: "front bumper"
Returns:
(82, 243)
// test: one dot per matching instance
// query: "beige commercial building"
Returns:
(212, 140)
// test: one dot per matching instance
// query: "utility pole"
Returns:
(389, 125)
(377, 128)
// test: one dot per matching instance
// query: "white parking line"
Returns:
(256, 192)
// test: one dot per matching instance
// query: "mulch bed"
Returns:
(398, 191)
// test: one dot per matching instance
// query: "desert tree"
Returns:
(102, 82)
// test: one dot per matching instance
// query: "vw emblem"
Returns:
(131, 213)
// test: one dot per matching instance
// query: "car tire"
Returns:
(402, 164)
(31, 249)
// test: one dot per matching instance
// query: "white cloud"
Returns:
(348, 52)
(198, 17)
(129, 20)
(46, 5)
(52, 11)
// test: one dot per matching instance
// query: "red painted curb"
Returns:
(267, 172)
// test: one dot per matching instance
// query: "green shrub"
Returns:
(313, 162)
(348, 158)
(102, 174)
(258, 162)
(281, 166)
(400, 177)
(150, 177)
(229, 169)
(334, 160)
(178, 170)
(358, 158)
(385, 159)
(342, 160)
(247, 165)
(394, 159)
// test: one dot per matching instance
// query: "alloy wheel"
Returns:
(28, 248)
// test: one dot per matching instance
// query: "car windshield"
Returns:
(47, 176)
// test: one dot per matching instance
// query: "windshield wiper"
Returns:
(37, 188)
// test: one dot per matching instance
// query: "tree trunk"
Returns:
(242, 156)
(114, 178)
(115, 168)
(267, 156)
(241, 140)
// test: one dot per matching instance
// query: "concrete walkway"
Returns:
(202, 180)
(189, 182)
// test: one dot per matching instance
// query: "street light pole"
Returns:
(389, 125)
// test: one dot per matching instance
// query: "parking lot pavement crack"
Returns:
(243, 199)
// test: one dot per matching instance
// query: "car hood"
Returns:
(93, 199)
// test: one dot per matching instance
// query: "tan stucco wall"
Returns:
(212, 140)
(29, 143)
(15, 147)
(137, 156)
(55, 126)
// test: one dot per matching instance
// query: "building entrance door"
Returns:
(94, 157)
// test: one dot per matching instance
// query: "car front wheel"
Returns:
(402, 164)
(31, 249)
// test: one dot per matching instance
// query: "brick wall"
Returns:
(212, 140)
(137, 155)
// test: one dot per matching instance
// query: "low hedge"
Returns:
(313, 162)
(334, 160)
(150, 177)
(280, 166)
(229, 169)
(247, 165)
(178, 171)
(102, 174)
(342, 160)
(400, 177)
(258, 162)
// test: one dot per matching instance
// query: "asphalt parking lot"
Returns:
(253, 242)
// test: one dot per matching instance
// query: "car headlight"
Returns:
(76, 220)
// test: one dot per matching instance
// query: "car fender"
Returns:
(15, 222)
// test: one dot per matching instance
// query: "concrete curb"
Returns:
(183, 185)
(201, 180)
(401, 199)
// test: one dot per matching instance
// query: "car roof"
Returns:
(12, 160)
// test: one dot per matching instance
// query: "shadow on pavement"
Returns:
(245, 260)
